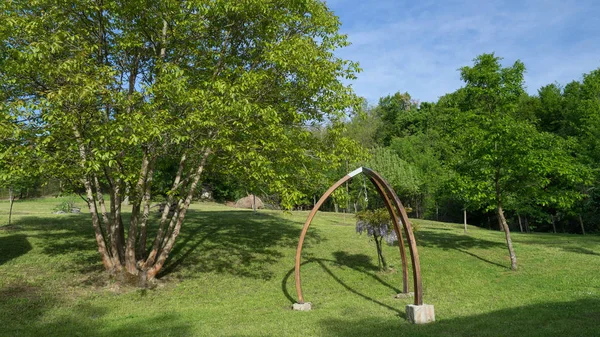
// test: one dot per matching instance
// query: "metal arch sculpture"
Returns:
(398, 216)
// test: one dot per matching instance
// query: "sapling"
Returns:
(377, 224)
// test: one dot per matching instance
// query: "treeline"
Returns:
(488, 153)
(491, 152)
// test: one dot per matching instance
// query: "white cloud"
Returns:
(418, 48)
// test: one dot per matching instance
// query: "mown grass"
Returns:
(231, 274)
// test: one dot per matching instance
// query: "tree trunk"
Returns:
(106, 257)
(465, 219)
(504, 225)
(141, 248)
(520, 224)
(180, 216)
(158, 240)
(254, 203)
(380, 258)
(11, 198)
(553, 223)
(581, 223)
(335, 205)
(383, 262)
(437, 212)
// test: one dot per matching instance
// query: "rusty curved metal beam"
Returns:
(385, 190)
(305, 229)
(396, 222)
(412, 245)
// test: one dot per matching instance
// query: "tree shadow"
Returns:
(70, 235)
(460, 243)
(569, 243)
(453, 241)
(575, 318)
(363, 266)
(482, 259)
(29, 311)
(581, 250)
(355, 261)
(13, 246)
(236, 242)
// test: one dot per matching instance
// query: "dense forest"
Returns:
(488, 153)
(492, 153)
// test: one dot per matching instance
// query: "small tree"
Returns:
(377, 224)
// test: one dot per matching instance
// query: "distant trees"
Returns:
(490, 146)
(19, 164)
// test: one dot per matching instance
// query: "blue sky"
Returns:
(417, 46)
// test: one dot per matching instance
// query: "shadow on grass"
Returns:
(358, 262)
(581, 250)
(28, 311)
(13, 246)
(576, 318)
(69, 235)
(570, 243)
(460, 243)
(235, 242)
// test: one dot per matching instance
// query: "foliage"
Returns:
(124, 96)
(66, 205)
(402, 176)
(399, 116)
(364, 127)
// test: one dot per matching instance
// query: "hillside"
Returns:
(231, 274)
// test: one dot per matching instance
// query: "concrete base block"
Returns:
(420, 314)
(302, 306)
(405, 295)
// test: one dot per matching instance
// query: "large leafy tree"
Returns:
(580, 123)
(571, 113)
(116, 85)
(500, 155)
(399, 116)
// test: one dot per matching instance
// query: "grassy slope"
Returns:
(231, 274)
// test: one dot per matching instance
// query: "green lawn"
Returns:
(231, 274)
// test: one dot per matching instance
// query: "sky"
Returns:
(418, 46)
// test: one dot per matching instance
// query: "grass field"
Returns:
(231, 274)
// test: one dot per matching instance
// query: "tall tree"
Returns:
(398, 114)
(118, 84)
(500, 153)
